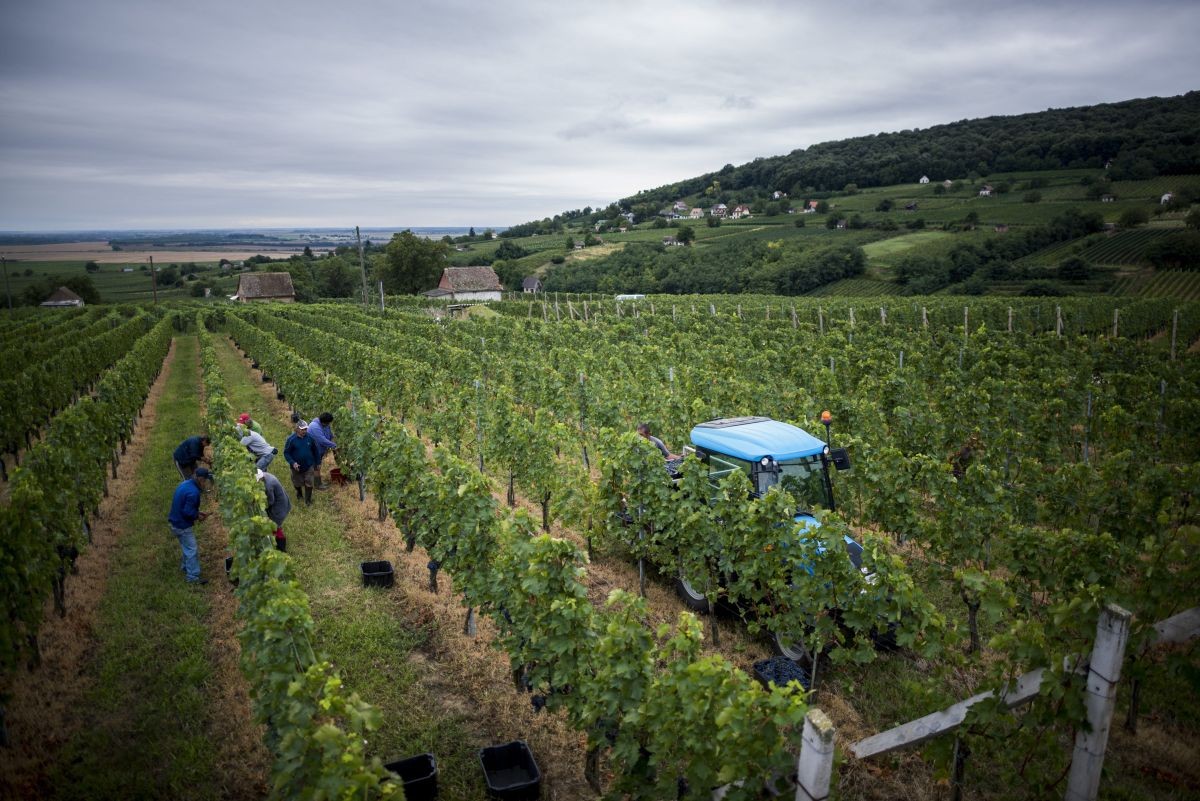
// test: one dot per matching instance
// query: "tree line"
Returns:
(1136, 139)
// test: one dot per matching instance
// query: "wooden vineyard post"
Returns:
(1058, 326)
(924, 317)
(1010, 319)
(1174, 331)
(882, 316)
(795, 322)
(851, 316)
(815, 767)
(1116, 318)
(820, 320)
(1104, 671)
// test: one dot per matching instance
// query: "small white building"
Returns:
(924, 179)
(1166, 198)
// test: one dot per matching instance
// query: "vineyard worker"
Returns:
(671, 459)
(259, 448)
(278, 505)
(300, 450)
(185, 511)
(322, 433)
(190, 451)
(244, 420)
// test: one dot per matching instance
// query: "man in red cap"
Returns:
(244, 420)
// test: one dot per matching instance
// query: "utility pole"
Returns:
(7, 291)
(361, 264)
(153, 281)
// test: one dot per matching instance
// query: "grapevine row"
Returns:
(599, 665)
(314, 729)
(60, 484)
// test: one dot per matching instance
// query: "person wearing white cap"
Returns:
(300, 451)
(278, 505)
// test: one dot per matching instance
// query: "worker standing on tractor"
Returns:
(673, 460)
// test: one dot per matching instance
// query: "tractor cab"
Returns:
(771, 453)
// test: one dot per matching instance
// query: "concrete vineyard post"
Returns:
(1104, 671)
(815, 767)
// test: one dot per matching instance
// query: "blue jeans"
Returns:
(264, 460)
(190, 563)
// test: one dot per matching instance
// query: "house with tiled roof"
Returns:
(740, 211)
(471, 283)
(696, 213)
(531, 284)
(62, 298)
(719, 210)
(266, 287)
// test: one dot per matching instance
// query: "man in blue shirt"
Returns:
(190, 451)
(185, 511)
(300, 451)
(321, 431)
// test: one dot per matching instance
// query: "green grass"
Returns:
(146, 731)
(362, 631)
(886, 251)
(114, 285)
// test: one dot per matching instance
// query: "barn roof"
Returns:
(470, 279)
(63, 295)
(265, 285)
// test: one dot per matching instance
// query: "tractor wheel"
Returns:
(692, 598)
(793, 649)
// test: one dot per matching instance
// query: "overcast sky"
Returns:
(167, 114)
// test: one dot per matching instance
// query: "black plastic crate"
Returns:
(511, 772)
(378, 574)
(229, 570)
(779, 670)
(418, 775)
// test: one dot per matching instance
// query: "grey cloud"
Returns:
(141, 113)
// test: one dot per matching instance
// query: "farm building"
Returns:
(265, 286)
(63, 298)
(470, 283)
(531, 284)
(924, 179)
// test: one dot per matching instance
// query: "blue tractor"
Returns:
(772, 453)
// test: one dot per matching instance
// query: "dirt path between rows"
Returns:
(43, 713)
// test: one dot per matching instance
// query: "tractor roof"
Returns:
(752, 438)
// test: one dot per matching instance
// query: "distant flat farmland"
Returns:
(101, 253)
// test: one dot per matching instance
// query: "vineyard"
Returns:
(1017, 466)
(1181, 284)
(1124, 247)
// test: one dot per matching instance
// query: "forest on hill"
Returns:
(1139, 139)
